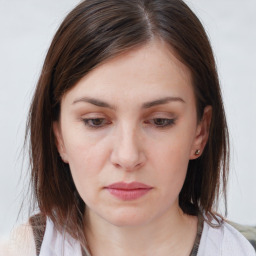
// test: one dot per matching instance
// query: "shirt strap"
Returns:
(38, 224)
(200, 225)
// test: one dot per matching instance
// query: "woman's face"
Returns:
(128, 130)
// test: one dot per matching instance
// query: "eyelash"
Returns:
(88, 122)
(167, 122)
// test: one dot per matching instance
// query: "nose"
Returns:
(127, 153)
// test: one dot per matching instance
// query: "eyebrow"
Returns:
(96, 102)
(100, 103)
(162, 101)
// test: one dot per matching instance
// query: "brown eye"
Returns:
(95, 122)
(162, 122)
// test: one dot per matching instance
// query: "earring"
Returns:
(197, 152)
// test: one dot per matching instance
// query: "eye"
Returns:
(95, 122)
(161, 122)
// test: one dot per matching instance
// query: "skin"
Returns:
(151, 145)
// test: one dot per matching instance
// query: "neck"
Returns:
(172, 234)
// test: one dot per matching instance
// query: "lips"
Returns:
(128, 191)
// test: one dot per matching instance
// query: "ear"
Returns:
(59, 141)
(202, 133)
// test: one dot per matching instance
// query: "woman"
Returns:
(129, 143)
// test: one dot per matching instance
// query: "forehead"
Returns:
(151, 70)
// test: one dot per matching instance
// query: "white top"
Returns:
(223, 241)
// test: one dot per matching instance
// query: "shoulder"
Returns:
(248, 231)
(224, 240)
(20, 242)
(56, 242)
(236, 241)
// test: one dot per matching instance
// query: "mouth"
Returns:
(128, 191)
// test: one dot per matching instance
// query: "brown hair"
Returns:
(93, 32)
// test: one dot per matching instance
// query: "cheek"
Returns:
(86, 160)
(172, 172)
(170, 159)
(172, 166)
(82, 148)
(173, 150)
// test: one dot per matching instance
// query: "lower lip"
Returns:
(128, 194)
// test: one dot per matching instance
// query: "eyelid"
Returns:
(153, 119)
(93, 115)
(168, 122)
(91, 126)
(162, 114)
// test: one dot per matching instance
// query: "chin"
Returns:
(127, 218)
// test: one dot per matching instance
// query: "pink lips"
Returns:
(128, 191)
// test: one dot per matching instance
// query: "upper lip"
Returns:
(128, 186)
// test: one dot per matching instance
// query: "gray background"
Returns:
(26, 30)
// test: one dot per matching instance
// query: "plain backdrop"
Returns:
(26, 30)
